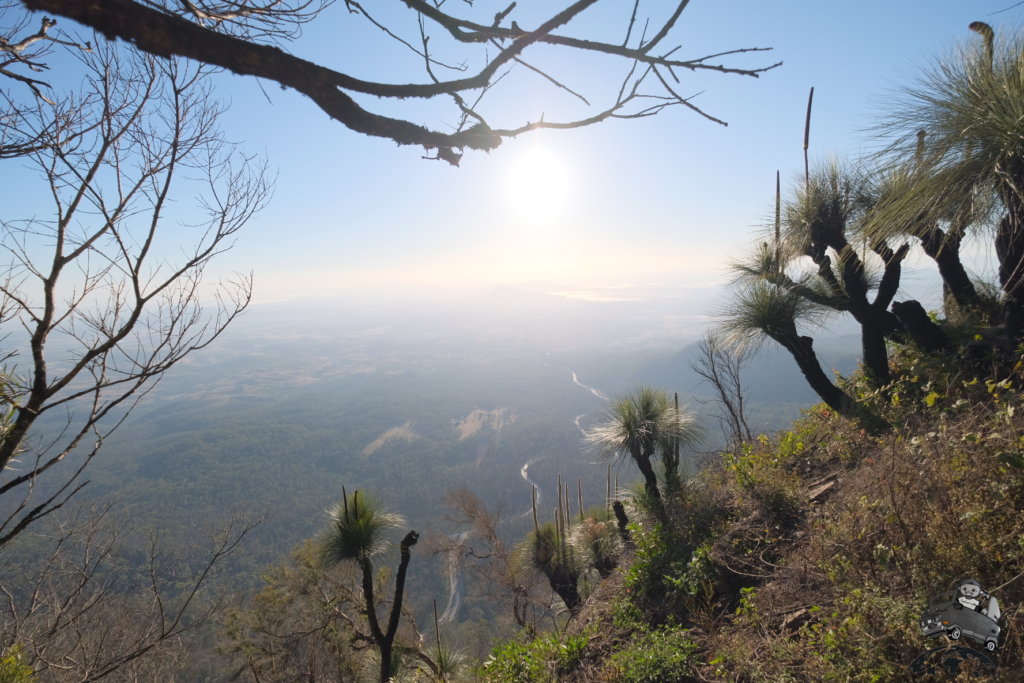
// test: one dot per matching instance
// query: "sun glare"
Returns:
(538, 186)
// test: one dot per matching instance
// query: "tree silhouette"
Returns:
(642, 426)
(356, 533)
(244, 37)
(763, 310)
(815, 256)
(102, 292)
(970, 162)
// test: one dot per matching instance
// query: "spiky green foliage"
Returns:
(356, 532)
(643, 425)
(894, 211)
(779, 266)
(547, 549)
(597, 543)
(962, 126)
(819, 255)
(824, 221)
(814, 253)
(644, 421)
(450, 661)
(357, 529)
(762, 310)
(971, 107)
(830, 199)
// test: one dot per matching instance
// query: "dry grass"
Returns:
(908, 515)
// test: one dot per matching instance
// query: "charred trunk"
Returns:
(563, 582)
(921, 329)
(643, 463)
(876, 354)
(944, 249)
(385, 640)
(802, 350)
(1010, 250)
(622, 521)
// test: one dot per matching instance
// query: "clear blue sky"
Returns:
(661, 201)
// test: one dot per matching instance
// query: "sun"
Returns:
(538, 185)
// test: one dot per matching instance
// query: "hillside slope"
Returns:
(812, 554)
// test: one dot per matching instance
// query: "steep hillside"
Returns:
(811, 554)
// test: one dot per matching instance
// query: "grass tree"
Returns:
(446, 660)
(971, 109)
(357, 532)
(939, 236)
(598, 544)
(816, 256)
(763, 310)
(572, 544)
(642, 426)
(548, 550)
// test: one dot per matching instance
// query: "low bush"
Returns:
(656, 657)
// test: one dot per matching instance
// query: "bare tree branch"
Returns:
(169, 30)
(720, 365)
(77, 614)
(103, 307)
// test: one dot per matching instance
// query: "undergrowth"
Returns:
(810, 555)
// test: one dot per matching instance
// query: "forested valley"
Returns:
(411, 406)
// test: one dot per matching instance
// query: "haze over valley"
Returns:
(409, 400)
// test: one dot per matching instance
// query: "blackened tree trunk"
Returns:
(670, 458)
(944, 249)
(621, 520)
(875, 353)
(1010, 250)
(643, 463)
(563, 582)
(385, 640)
(919, 327)
(876, 323)
(802, 350)
(366, 568)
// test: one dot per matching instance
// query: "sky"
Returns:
(623, 206)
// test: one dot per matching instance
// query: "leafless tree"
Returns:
(106, 293)
(720, 365)
(465, 53)
(76, 614)
(482, 552)
(25, 47)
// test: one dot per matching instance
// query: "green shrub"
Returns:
(569, 653)
(514, 662)
(660, 656)
(13, 668)
(543, 659)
